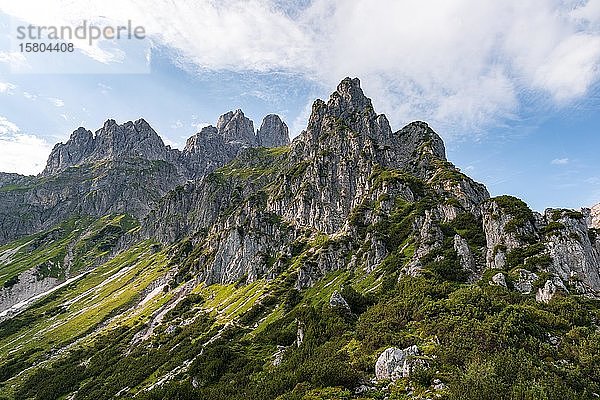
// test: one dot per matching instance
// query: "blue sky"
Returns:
(513, 87)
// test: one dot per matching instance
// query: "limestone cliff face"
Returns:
(347, 170)
(559, 242)
(343, 178)
(574, 252)
(343, 144)
(111, 186)
(273, 132)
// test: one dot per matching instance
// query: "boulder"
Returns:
(499, 280)
(337, 301)
(525, 283)
(395, 363)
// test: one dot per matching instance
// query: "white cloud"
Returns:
(14, 59)
(104, 89)
(571, 68)
(21, 153)
(7, 127)
(30, 96)
(588, 13)
(56, 101)
(7, 87)
(462, 64)
(560, 161)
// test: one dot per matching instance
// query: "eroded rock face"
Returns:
(525, 282)
(575, 255)
(122, 168)
(558, 242)
(208, 150)
(273, 132)
(595, 216)
(332, 170)
(467, 261)
(549, 290)
(395, 363)
(111, 142)
(29, 284)
(502, 236)
(343, 178)
(234, 126)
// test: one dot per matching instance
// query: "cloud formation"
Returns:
(19, 152)
(560, 161)
(7, 87)
(461, 64)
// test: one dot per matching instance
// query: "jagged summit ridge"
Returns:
(382, 227)
(112, 141)
(234, 126)
(349, 116)
(212, 146)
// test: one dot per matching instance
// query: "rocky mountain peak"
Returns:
(348, 109)
(419, 136)
(81, 136)
(348, 121)
(112, 141)
(131, 139)
(194, 142)
(349, 97)
(108, 123)
(273, 132)
(234, 126)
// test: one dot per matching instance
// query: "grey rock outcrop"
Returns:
(575, 254)
(111, 142)
(336, 186)
(595, 216)
(330, 172)
(235, 127)
(122, 168)
(558, 242)
(337, 301)
(502, 234)
(29, 284)
(395, 363)
(524, 284)
(549, 290)
(208, 150)
(467, 261)
(273, 132)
